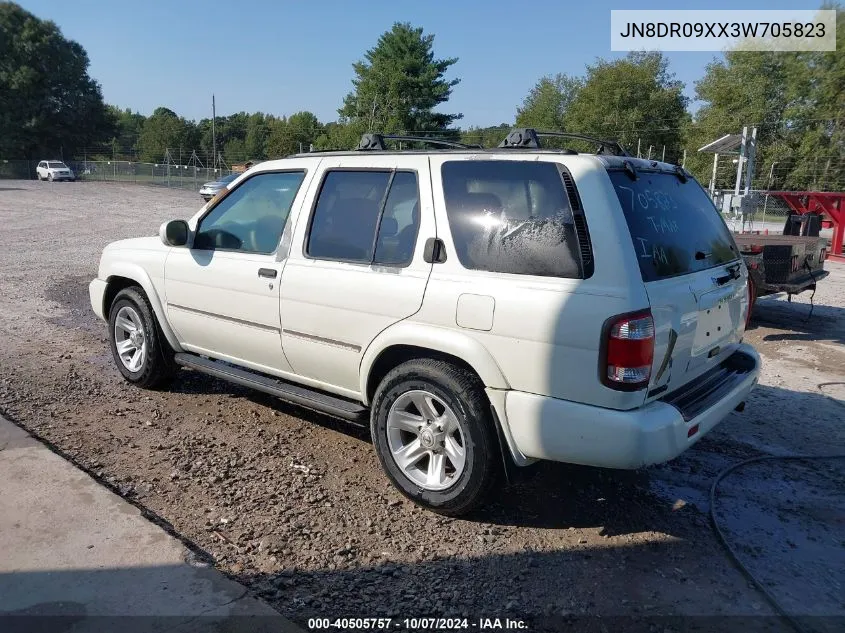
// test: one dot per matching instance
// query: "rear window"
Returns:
(675, 228)
(511, 217)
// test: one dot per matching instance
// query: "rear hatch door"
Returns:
(692, 271)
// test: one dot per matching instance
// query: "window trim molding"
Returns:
(303, 171)
(392, 171)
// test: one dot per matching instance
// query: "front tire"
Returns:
(434, 436)
(139, 349)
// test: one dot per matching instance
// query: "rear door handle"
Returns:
(733, 273)
(269, 273)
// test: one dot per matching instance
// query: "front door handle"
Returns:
(269, 273)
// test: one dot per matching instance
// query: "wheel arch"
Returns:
(126, 276)
(408, 341)
(405, 341)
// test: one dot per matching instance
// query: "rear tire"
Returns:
(443, 453)
(140, 351)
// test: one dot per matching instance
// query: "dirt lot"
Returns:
(294, 505)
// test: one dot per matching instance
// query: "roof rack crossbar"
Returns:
(371, 142)
(530, 138)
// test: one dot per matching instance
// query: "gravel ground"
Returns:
(294, 505)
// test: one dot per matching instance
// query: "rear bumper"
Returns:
(797, 285)
(559, 430)
(96, 291)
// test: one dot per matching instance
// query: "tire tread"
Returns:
(160, 367)
(469, 390)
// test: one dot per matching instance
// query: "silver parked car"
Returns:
(211, 189)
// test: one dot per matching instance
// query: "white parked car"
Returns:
(480, 308)
(54, 170)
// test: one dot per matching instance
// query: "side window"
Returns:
(400, 223)
(251, 218)
(353, 206)
(511, 217)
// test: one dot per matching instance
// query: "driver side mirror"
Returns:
(174, 233)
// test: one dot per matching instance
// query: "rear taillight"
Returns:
(629, 351)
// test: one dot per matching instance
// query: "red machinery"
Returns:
(828, 204)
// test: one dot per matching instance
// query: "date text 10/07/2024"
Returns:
(417, 624)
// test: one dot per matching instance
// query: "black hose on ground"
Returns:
(721, 535)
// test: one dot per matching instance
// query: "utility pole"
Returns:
(213, 133)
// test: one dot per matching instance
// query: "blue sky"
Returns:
(283, 56)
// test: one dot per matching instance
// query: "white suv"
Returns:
(54, 170)
(482, 308)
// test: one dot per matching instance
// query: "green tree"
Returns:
(340, 136)
(630, 99)
(816, 116)
(257, 133)
(235, 151)
(231, 134)
(288, 136)
(746, 88)
(165, 130)
(48, 102)
(485, 136)
(546, 105)
(128, 127)
(795, 99)
(399, 84)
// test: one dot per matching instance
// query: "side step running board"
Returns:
(296, 394)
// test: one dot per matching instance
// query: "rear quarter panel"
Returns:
(545, 333)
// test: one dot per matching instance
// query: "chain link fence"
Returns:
(163, 174)
(758, 212)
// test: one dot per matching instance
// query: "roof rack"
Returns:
(375, 142)
(529, 138)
